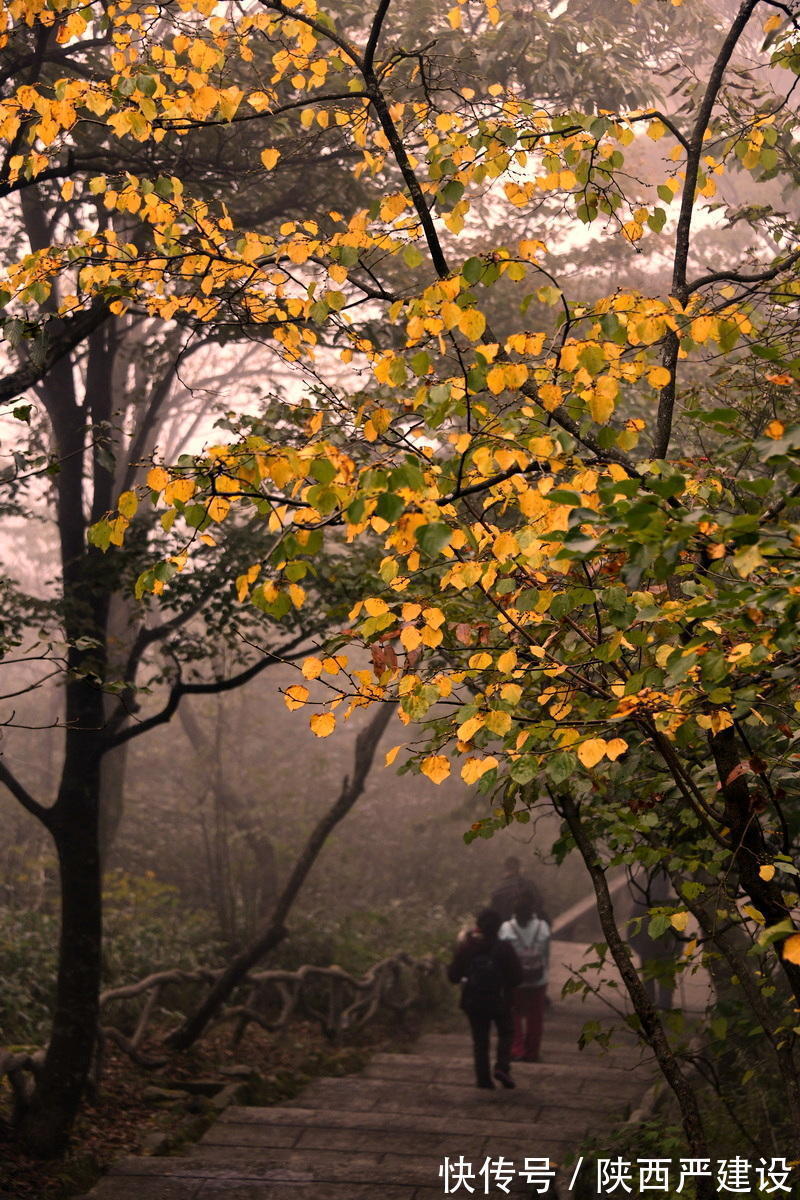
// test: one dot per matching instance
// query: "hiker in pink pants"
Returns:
(529, 934)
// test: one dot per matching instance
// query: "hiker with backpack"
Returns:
(529, 934)
(488, 970)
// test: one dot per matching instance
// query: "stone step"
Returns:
(491, 1123)
(539, 1138)
(312, 1168)
(418, 1068)
(535, 1099)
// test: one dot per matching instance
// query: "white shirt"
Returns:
(533, 936)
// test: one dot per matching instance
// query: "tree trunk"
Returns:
(652, 1028)
(111, 803)
(45, 1125)
(274, 932)
(749, 848)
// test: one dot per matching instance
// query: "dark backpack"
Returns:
(485, 984)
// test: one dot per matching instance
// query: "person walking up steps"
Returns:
(488, 970)
(529, 934)
(512, 884)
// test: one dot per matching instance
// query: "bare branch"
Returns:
(181, 689)
(23, 795)
(73, 330)
(666, 404)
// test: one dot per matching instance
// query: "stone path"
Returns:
(383, 1134)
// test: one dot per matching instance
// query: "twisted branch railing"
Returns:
(338, 1001)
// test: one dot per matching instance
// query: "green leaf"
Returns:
(657, 220)
(389, 507)
(433, 538)
(564, 496)
(100, 535)
(473, 269)
(412, 257)
(323, 470)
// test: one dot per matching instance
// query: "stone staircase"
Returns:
(385, 1134)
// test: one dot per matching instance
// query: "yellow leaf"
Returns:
(498, 722)
(679, 921)
(312, 668)
(436, 767)
(117, 535)
(754, 914)
(128, 504)
(767, 871)
(616, 747)
(474, 768)
(507, 661)
(775, 430)
(269, 157)
(592, 751)
(376, 607)
(391, 755)
(410, 637)
(295, 696)
(392, 206)
(496, 380)
(550, 395)
(218, 508)
(703, 328)
(472, 323)
(297, 594)
(505, 546)
(180, 489)
(323, 724)
(602, 397)
(468, 729)
(157, 479)
(791, 948)
(658, 377)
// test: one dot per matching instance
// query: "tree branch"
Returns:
(73, 330)
(23, 796)
(736, 277)
(274, 932)
(181, 689)
(666, 404)
(374, 35)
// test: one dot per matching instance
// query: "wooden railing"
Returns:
(336, 1000)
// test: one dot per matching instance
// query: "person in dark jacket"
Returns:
(512, 885)
(488, 970)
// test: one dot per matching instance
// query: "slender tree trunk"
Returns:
(45, 1125)
(738, 977)
(652, 1028)
(87, 582)
(750, 851)
(274, 932)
